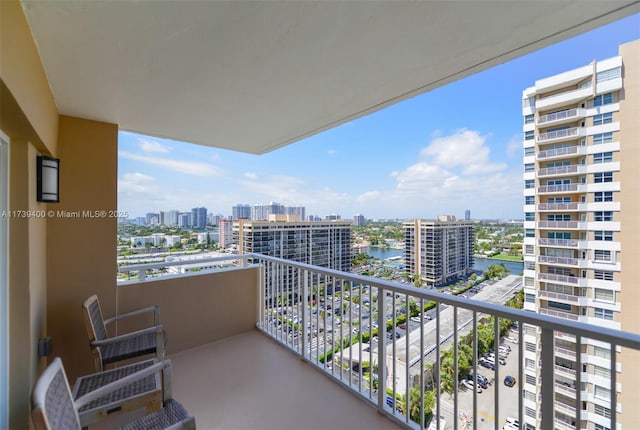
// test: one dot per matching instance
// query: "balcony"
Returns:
(564, 243)
(565, 225)
(562, 188)
(562, 117)
(562, 170)
(558, 297)
(562, 135)
(246, 330)
(563, 279)
(568, 151)
(562, 261)
(564, 99)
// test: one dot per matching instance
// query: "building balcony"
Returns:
(565, 225)
(563, 243)
(562, 189)
(562, 135)
(564, 99)
(559, 207)
(569, 151)
(561, 117)
(247, 330)
(563, 279)
(562, 170)
(562, 261)
(558, 297)
(559, 314)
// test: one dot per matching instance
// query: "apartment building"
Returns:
(581, 158)
(438, 251)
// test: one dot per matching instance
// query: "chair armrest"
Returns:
(158, 329)
(122, 382)
(155, 309)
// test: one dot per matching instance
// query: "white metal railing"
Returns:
(557, 134)
(570, 206)
(571, 243)
(355, 330)
(558, 170)
(558, 224)
(558, 296)
(567, 279)
(562, 188)
(559, 314)
(569, 113)
(557, 152)
(565, 261)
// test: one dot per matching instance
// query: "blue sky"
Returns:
(455, 148)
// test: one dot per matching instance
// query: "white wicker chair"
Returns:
(55, 409)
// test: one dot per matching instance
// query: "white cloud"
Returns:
(152, 146)
(194, 168)
(250, 175)
(332, 152)
(514, 146)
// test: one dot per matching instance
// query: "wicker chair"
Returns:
(107, 350)
(55, 409)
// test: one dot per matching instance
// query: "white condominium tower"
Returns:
(582, 236)
(438, 251)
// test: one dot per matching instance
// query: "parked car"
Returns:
(487, 364)
(469, 385)
(509, 381)
(512, 421)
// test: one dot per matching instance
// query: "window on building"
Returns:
(601, 177)
(601, 427)
(529, 411)
(529, 167)
(530, 216)
(529, 249)
(559, 217)
(530, 183)
(607, 75)
(603, 216)
(601, 138)
(603, 196)
(601, 352)
(558, 305)
(531, 347)
(604, 295)
(603, 275)
(529, 298)
(602, 157)
(603, 372)
(603, 255)
(604, 118)
(530, 379)
(528, 119)
(530, 265)
(602, 392)
(529, 232)
(530, 200)
(603, 235)
(529, 135)
(605, 314)
(529, 151)
(603, 99)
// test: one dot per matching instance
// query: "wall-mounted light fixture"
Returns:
(48, 179)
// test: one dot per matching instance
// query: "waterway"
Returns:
(479, 264)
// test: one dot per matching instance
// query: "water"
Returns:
(479, 264)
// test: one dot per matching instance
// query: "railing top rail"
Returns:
(625, 339)
(146, 266)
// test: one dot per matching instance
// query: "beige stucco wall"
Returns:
(630, 228)
(81, 251)
(199, 309)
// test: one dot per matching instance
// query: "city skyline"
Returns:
(452, 149)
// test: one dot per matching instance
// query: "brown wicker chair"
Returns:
(107, 350)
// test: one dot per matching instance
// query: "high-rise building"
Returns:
(358, 220)
(581, 162)
(295, 211)
(324, 244)
(262, 212)
(184, 219)
(438, 251)
(467, 215)
(241, 211)
(199, 217)
(225, 233)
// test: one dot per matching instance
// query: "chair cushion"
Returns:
(172, 413)
(130, 348)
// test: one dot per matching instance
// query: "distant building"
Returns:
(438, 251)
(333, 217)
(467, 215)
(199, 217)
(324, 244)
(358, 220)
(225, 233)
(184, 219)
(152, 218)
(241, 211)
(298, 211)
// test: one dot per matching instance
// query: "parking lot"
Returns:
(507, 396)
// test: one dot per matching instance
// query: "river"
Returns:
(479, 264)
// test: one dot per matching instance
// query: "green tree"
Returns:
(414, 404)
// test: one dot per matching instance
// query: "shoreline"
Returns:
(497, 259)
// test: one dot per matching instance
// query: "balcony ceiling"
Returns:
(256, 76)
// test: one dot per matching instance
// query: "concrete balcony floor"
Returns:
(248, 382)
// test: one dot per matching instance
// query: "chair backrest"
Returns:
(93, 319)
(53, 407)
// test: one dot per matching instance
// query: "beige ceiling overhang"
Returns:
(254, 76)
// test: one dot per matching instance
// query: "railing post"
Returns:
(382, 337)
(305, 313)
(548, 380)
